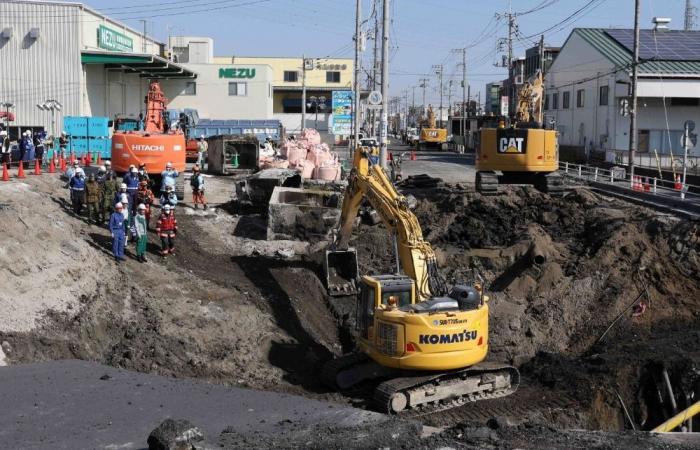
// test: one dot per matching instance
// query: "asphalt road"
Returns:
(78, 404)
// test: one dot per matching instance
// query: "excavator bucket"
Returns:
(341, 272)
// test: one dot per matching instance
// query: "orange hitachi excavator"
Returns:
(152, 146)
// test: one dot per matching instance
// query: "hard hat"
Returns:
(168, 164)
(102, 169)
(123, 186)
(76, 163)
(167, 208)
(134, 170)
(108, 163)
(79, 171)
(201, 137)
(142, 206)
(118, 206)
(63, 133)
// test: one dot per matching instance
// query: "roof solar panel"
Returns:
(671, 45)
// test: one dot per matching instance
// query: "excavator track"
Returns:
(554, 184)
(331, 369)
(421, 395)
(487, 183)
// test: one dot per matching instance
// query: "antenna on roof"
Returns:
(661, 23)
(689, 15)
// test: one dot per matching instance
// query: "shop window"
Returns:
(332, 77)
(237, 88)
(190, 88)
(682, 101)
(555, 100)
(291, 76)
(546, 102)
(566, 100)
(604, 95)
(580, 98)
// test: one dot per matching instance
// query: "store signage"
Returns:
(109, 39)
(235, 72)
(342, 113)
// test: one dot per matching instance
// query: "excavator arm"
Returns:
(417, 258)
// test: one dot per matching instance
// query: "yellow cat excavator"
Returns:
(524, 153)
(424, 344)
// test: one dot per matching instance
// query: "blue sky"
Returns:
(422, 33)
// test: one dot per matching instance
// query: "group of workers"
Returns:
(30, 146)
(127, 204)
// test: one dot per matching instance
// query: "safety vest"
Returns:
(166, 223)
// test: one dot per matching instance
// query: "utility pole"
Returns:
(511, 85)
(464, 98)
(303, 92)
(413, 106)
(143, 40)
(540, 115)
(356, 81)
(449, 99)
(423, 84)
(383, 151)
(438, 72)
(375, 66)
(689, 16)
(633, 108)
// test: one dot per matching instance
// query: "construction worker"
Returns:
(116, 227)
(39, 148)
(197, 185)
(77, 190)
(143, 174)
(4, 148)
(202, 148)
(110, 186)
(108, 170)
(93, 195)
(63, 143)
(24, 143)
(169, 197)
(140, 229)
(167, 230)
(123, 197)
(131, 179)
(168, 177)
(144, 197)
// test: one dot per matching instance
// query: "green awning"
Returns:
(147, 66)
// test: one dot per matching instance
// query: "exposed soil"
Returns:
(232, 308)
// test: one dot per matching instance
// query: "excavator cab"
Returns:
(341, 271)
(382, 291)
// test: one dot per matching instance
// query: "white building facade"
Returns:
(587, 88)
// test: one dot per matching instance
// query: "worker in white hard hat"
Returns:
(168, 177)
(167, 230)
(202, 149)
(63, 143)
(116, 228)
(4, 148)
(140, 229)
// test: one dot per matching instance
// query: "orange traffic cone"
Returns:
(52, 166)
(37, 167)
(88, 159)
(647, 186)
(677, 185)
(20, 171)
(413, 155)
(99, 159)
(62, 164)
(5, 173)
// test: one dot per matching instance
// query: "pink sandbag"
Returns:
(310, 135)
(276, 164)
(318, 155)
(306, 168)
(329, 171)
(295, 154)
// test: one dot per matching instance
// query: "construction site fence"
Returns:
(647, 159)
(619, 177)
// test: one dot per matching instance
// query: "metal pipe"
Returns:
(669, 390)
(675, 421)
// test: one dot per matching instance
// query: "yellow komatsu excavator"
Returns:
(524, 153)
(426, 345)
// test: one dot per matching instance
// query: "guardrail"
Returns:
(618, 176)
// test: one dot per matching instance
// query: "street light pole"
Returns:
(303, 92)
(356, 81)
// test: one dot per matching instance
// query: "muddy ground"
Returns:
(232, 308)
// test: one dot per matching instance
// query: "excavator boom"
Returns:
(417, 258)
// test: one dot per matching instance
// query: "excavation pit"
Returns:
(301, 214)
